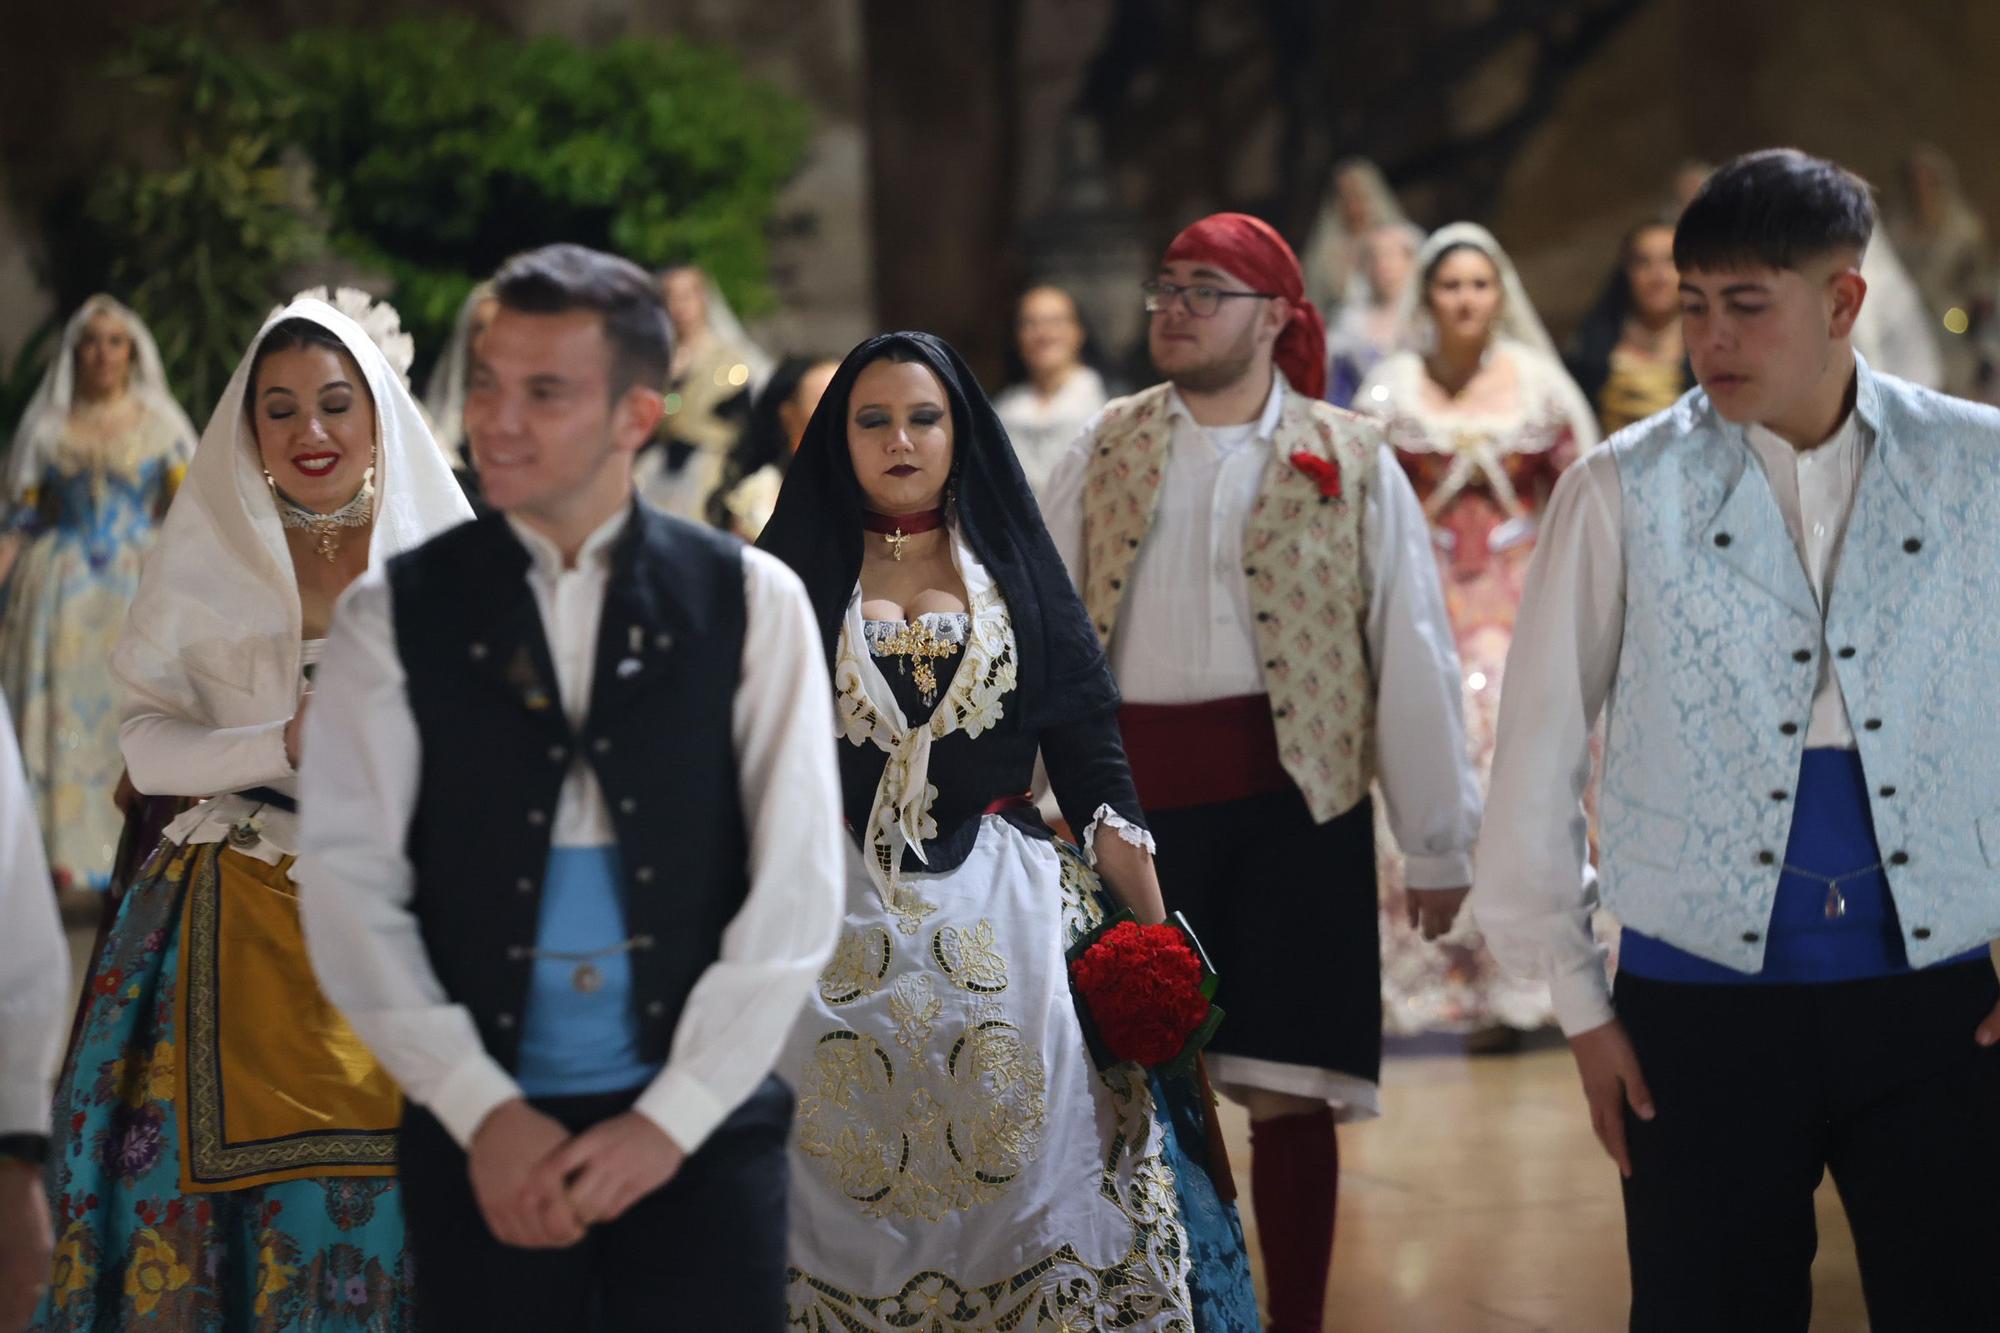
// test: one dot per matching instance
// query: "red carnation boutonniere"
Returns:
(1324, 472)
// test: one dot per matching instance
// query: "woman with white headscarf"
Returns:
(94, 462)
(1358, 201)
(225, 1145)
(1484, 418)
(444, 391)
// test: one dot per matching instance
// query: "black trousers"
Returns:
(1286, 910)
(1759, 1089)
(706, 1251)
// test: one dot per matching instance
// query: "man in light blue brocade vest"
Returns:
(1780, 593)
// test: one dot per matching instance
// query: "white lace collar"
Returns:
(868, 714)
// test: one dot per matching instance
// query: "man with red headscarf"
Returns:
(1260, 572)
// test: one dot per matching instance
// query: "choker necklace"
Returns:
(325, 528)
(899, 528)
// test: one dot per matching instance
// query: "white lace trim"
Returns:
(952, 627)
(1127, 832)
(869, 714)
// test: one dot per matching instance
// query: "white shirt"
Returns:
(1532, 898)
(1042, 428)
(1185, 634)
(34, 956)
(359, 789)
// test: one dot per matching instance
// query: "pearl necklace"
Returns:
(325, 528)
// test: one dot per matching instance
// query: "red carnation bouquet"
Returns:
(1144, 993)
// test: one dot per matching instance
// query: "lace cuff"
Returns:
(1127, 830)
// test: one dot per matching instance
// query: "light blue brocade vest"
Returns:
(1723, 640)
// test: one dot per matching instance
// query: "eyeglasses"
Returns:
(1199, 301)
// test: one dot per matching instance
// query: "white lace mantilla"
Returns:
(867, 713)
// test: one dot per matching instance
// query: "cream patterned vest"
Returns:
(1301, 557)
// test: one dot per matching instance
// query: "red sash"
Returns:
(1202, 754)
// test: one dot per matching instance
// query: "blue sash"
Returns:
(581, 1040)
(1833, 843)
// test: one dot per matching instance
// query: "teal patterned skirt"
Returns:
(137, 1251)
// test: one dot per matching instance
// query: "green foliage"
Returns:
(201, 247)
(443, 147)
(19, 379)
(439, 148)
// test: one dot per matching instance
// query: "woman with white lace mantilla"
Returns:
(956, 1147)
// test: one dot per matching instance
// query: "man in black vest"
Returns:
(574, 851)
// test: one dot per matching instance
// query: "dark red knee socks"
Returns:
(1294, 1182)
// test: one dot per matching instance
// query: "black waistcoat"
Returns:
(496, 747)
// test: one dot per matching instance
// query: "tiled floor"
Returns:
(1480, 1203)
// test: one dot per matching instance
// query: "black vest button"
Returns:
(1802, 655)
(1132, 542)
(1847, 652)
(1788, 728)
(1270, 664)
(1781, 796)
(1263, 615)
(1913, 546)
(1751, 937)
(1723, 539)
(1921, 933)
(1886, 792)
(1872, 724)
(1767, 858)
(1899, 858)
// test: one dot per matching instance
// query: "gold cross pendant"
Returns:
(896, 540)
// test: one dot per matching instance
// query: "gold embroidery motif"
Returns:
(915, 1009)
(918, 1140)
(859, 963)
(1146, 1288)
(968, 958)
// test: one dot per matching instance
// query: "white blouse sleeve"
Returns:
(34, 957)
(1429, 791)
(1534, 896)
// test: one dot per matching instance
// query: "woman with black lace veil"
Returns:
(956, 1146)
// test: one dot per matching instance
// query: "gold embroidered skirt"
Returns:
(958, 1159)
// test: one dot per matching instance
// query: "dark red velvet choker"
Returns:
(899, 528)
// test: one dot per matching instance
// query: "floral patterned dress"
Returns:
(87, 529)
(1483, 481)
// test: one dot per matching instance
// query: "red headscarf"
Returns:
(1251, 249)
